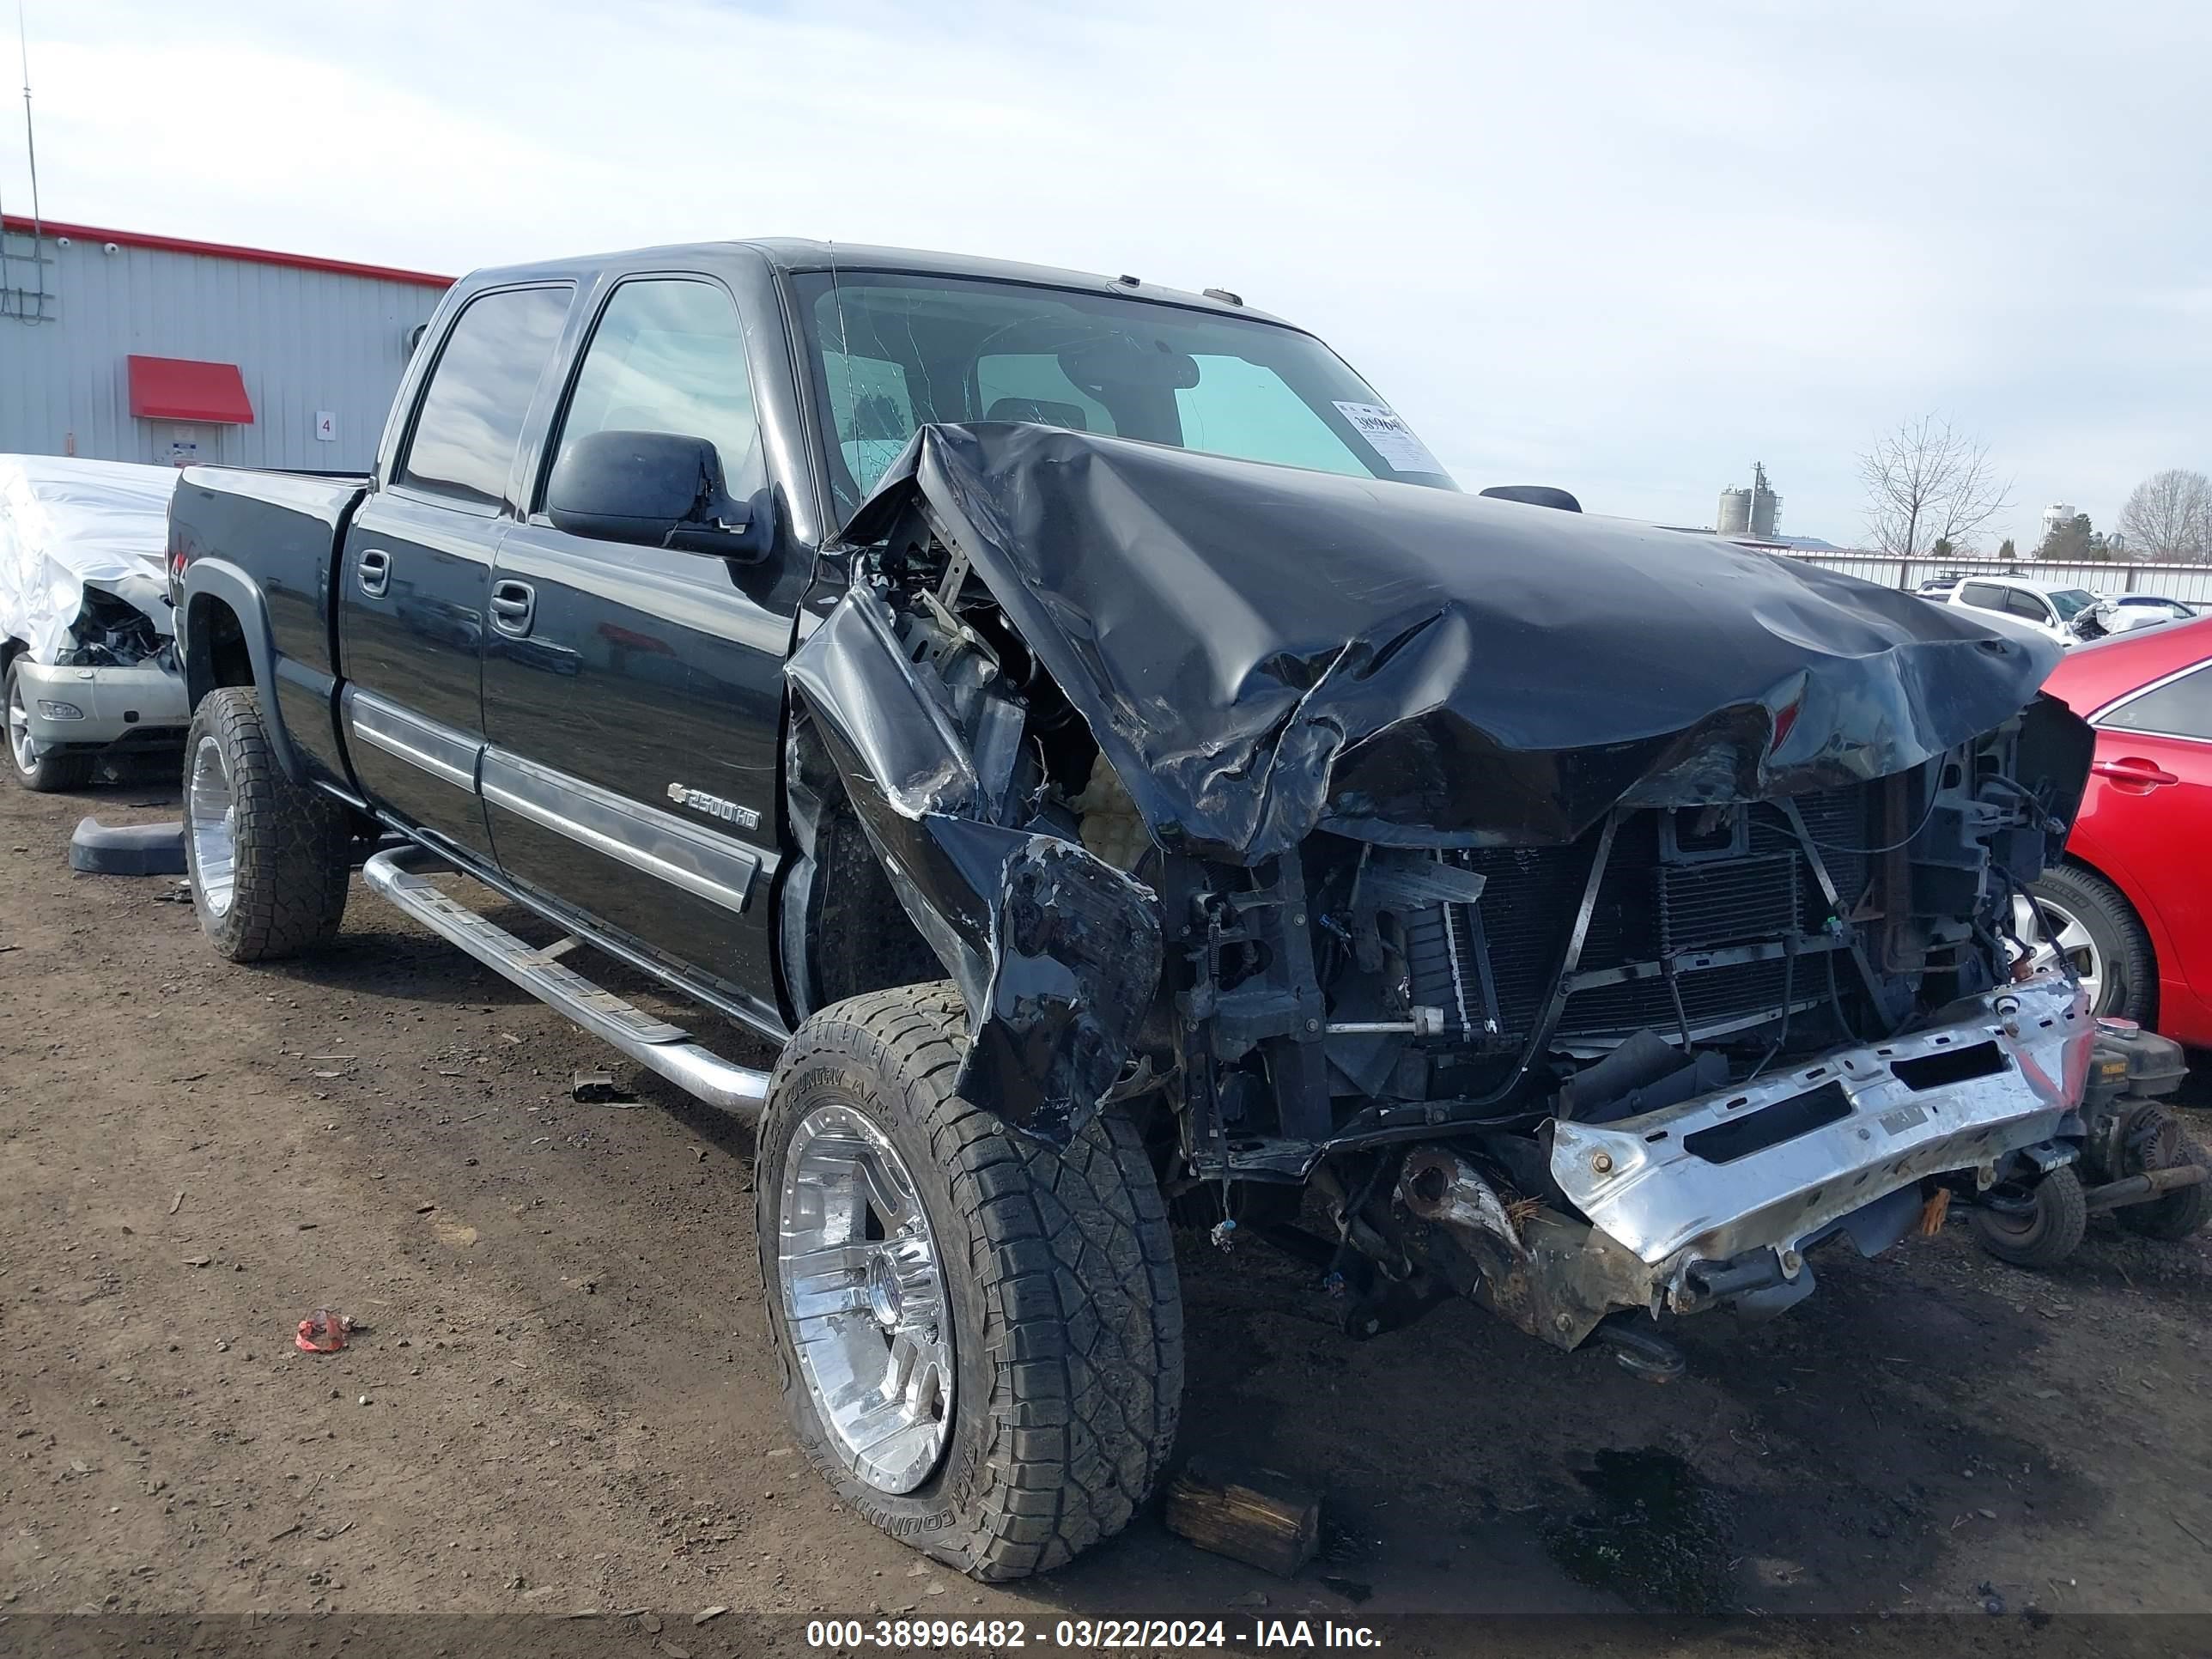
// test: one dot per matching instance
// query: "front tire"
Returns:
(44, 770)
(268, 859)
(2098, 931)
(980, 1336)
(2047, 1233)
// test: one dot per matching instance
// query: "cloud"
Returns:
(1621, 248)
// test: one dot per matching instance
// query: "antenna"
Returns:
(37, 312)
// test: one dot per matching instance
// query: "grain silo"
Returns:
(1754, 513)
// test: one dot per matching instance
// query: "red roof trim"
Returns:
(180, 389)
(21, 225)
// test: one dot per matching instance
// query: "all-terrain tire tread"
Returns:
(291, 843)
(1083, 1328)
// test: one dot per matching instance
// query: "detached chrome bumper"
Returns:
(109, 703)
(1767, 1167)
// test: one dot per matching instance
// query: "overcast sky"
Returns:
(1627, 249)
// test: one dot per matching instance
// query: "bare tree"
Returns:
(1926, 483)
(2169, 516)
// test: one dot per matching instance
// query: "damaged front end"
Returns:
(1056, 954)
(114, 681)
(1483, 901)
(85, 621)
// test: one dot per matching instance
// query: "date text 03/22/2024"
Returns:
(1101, 1634)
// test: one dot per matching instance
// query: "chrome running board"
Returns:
(398, 874)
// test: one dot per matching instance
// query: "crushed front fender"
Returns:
(1056, 953)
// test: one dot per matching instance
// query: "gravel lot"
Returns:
(562, 1399)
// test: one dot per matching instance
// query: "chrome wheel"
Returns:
(863, 1296)
(2069, 938)
(20, 744)
(210, 822)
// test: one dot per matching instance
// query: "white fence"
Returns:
(2189, 582)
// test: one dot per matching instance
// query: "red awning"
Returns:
(178, 389)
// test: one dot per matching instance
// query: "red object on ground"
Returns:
(322, 1332)
(2146, 822)
(182, 389)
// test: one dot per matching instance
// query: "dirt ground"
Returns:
(563, 1400)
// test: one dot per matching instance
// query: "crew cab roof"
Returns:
(794, 254)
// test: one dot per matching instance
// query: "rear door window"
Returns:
(1988, 595)
(471, 418)
(2180, 708)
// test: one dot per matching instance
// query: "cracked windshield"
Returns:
(892, 352)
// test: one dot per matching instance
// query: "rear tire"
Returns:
(43, 771)
(1057, 1277)
(268, 859)
(2046, 1235)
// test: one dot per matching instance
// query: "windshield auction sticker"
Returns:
(1394, 440)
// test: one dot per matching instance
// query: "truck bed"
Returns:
(282, 532)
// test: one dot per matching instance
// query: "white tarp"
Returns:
(64, 522)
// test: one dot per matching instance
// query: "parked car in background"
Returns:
(1941, 588)
(2117, 613)
(2130, 903)
(87, 649)
(2048, 608)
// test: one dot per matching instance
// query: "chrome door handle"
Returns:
(374, 572)
(512, 606)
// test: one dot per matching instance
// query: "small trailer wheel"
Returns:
(2164, 1144)
(2044, 1232)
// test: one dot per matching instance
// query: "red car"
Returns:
(2132, 904)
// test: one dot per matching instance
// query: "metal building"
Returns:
(123, 347)
(1756, 512)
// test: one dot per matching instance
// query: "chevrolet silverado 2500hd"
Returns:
(1082, 724)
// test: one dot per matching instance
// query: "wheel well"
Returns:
(853, 936)
(214, 647)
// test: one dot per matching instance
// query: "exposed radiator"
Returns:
(1649, 905)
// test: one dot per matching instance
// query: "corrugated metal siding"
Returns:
(303, 340)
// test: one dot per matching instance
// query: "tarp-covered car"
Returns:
(85, 622)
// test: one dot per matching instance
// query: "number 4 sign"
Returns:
(326, 427)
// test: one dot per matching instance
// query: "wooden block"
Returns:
(1255, 1516)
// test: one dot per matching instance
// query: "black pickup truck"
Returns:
(1086, 729)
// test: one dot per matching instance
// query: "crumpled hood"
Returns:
(1262, 651)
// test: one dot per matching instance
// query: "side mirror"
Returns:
(652, 489)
